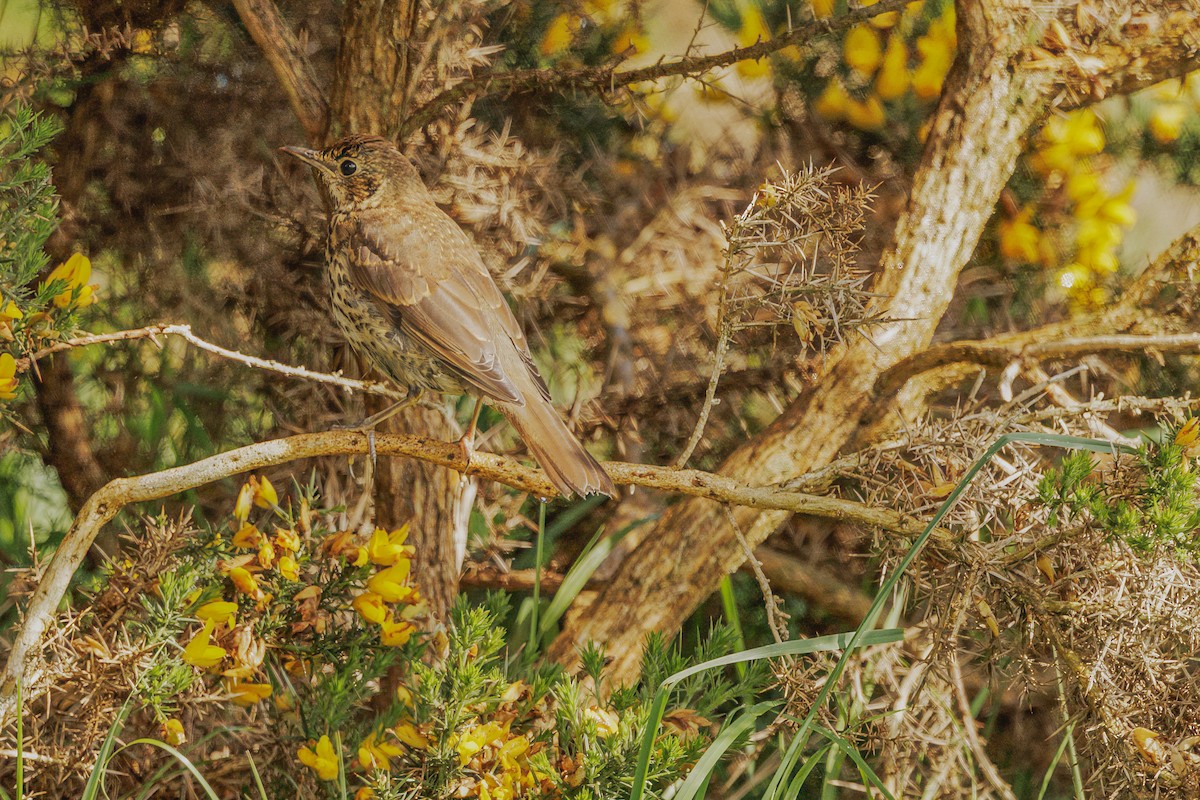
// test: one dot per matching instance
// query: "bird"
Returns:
(411, 293)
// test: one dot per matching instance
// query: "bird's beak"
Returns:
(311, 157)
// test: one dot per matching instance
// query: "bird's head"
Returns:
(360, 171)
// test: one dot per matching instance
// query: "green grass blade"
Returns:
(794, 648)
(262, 790)
(793, 789)
(864, 769)
(733, 618)
(697, 779)
(534, 639)
(797, 647)
(1058, 754)
(183, 760)
(96, 779)
(578, 575)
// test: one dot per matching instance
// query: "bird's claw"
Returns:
(466, 446)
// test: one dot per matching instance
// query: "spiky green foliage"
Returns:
(1150, 505)
(28, 206)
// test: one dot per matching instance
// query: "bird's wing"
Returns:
(433, 284)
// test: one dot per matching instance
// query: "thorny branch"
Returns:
(607, 78)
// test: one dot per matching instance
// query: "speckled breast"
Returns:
(372, 333)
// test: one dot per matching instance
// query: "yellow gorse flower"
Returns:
(245, 498)
(200, 652)
(862, 50)
(560, 34)
(221, 612)
(472, 741)
(265, 495)
(75, 272)
(385, 549)
(631, 37)
(407, 733)
(244, 582)
(172, 732)
(752, 31)
(1188, 433)
(248, 536)
(377, 753)
(287, 539)
(8, 377)
(867, 115)
(822, 8)
(833, 101)
(370, 606)
(392, 583)
(266, 555)
(607, 721)
(247, 694)
(1019, 238)
(893, 79)
(396, 633)
(322, 759)
(288, 568)
(1166, 122)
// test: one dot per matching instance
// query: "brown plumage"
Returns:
(410, 291)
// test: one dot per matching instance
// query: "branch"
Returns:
(606, 78)
(24, 668)
(285, 55)
(999, 354)
(185, 333)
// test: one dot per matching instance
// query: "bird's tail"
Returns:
(570, 468)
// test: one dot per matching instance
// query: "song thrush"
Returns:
(410, 291)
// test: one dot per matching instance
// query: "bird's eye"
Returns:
(348, 167)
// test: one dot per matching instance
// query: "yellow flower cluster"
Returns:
(71, 279)
(610, 15)
(499, 758)
(246, 657)
(375, 753)
(1065, 158)
(389, 587)
(882, 71)
(8, 376)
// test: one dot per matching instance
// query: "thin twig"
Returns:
(774, 622)
(1029, 347)
(185, 333)
(710, 400)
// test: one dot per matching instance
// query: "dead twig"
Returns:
(185, 333)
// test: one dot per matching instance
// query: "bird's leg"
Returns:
(467, 442)
(368, 425)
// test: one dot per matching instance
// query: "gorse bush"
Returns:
(311, 648)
